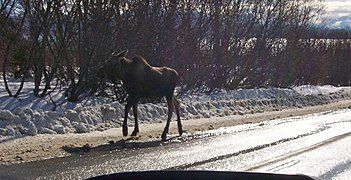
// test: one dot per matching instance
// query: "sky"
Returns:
(339, 13)
(338, 7)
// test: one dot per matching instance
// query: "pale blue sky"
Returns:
(337, 8)
(338, 13)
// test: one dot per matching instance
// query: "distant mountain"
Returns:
(343, 22)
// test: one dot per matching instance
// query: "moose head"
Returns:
(112, 67)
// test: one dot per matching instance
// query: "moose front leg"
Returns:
(136, 125)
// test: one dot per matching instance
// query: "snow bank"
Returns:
(30, 116)
(315, 90)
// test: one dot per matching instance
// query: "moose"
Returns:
(141, 80)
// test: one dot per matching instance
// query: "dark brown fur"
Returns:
(142, 81)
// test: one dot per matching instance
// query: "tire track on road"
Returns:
(245, 151)
(301, 151)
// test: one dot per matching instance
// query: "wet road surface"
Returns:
(318, 145)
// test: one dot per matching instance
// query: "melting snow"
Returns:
(28, 115)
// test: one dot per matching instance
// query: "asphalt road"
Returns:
(317, 145)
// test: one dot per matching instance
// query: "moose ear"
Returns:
(121, 54)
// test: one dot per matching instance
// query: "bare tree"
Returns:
(212, 44)
(10, 36)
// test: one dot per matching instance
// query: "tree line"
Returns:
(213, 44)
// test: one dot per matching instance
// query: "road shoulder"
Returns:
(44, 146)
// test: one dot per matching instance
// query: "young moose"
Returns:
(142, 81)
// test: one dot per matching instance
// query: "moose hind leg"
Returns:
(136, 125)
(179, 123)
(170, 112)
(125, 125)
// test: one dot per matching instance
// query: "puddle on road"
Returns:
(97, 159)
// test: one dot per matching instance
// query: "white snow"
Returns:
(315, 90)
(29, 115)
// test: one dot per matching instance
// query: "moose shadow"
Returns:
(122, 144)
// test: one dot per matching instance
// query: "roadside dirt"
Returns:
(39, 147)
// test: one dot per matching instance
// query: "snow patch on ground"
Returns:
(28, 115)
(315, 90)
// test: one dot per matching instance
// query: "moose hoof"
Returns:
(135, 133)
(164, 137)
(180, 131)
